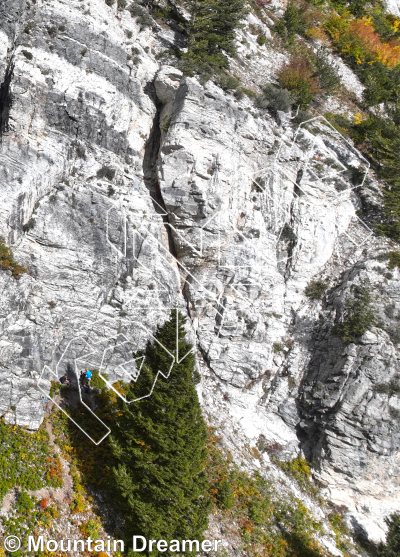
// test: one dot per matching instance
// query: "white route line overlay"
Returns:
(175, 360)
(306, 166)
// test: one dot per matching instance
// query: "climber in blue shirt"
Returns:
(85, 380)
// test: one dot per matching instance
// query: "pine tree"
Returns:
(212, 31)
(294, 21)
(160, 447)
(392, 547)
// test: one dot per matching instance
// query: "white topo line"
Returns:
(175, 357)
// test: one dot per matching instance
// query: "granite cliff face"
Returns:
(114, 168)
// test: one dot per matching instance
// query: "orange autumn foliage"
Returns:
(387, 53)
(8, 263)
(360, 40)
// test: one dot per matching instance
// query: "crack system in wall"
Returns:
(150, 175)
(6, 99)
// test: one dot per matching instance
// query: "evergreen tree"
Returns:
(358, 316)
(392, 547)
(212, 32)
(294, 21)
(160, 447)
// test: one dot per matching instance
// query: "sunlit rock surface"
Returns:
(114, 168)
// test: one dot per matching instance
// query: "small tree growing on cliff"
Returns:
(358, 315)
(392, 546)
(212, 32)
(160, 447)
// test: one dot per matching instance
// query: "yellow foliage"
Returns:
(318, 34)
(396, 25)
(8, 263)
(359, 39)
(357, 118)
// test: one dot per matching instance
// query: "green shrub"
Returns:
(358, 315)
(301, 117)
(28, 55)
(275, 98)
(261, 39)
(328, 77)
(239, 94)
(96, 381)
(298, 468)
(78, 504)
(106, 172)
(356, 7)
(298, 78)
(390, 389)
(288, 234)
(248, 92)
(386, 25)
(225, 495)
(8, 263)
(339, 122)
(25, 460)
(292, 23)
(357, 175)
(380, 138)
(165, 124)
(378, 87)
(91, 529)
(141, 15)
(382, 388)
(394, 260)
(25, 503)
(338, 524)
(316, 289)
(227, 82)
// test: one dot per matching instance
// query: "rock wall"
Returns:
(128, 189)
(393, 7)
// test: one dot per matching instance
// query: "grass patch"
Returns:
(26, 516)
(269, 524)
(300, 470)
(26, 462)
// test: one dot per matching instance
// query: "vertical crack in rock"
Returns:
(288, 233)
(151, 153)
(6, 99)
